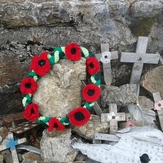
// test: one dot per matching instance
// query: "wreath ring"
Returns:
(41, 65)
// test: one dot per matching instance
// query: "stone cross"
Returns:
(113, 117)
(157, 97)
(106, 57)
(139, 58)
(11, 143)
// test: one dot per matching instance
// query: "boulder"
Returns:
(93, 126)
(152, 80)
(113, 94)
(55, 146)
(146, 103)
(59, 91)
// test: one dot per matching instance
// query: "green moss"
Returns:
(142, 27)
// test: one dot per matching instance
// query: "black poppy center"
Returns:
(91, 65)
(79, 116)
(41, 63)
(113, 117)
(159, 105)
(32, 111)
(55, 125)
(91, 92)
(27, 85)
(144, 158)
(73, 51)
(105, 56)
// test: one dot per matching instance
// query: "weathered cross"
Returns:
(139, 58)
(113, 117)
(11, 143)
(157, 98)
(106, 57)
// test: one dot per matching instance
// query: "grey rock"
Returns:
(55, 146)
(59, 91)
(130, 88)
(30, 156)
(80, 157)
(93, 126)
(145, 102)
(91, 161)
(113, 94)
(7, 156)
(146, 8)
(1, 158)
(152, 80)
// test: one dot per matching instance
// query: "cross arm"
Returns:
(23, 140)
(114, 55)
(138, 57)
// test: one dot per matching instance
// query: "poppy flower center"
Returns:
(106, 56)
(41, 63)
(91, 65)
(79, 116)
(73, 51)
(32, 111)
(27, 85)
(91, 92)
(55, 125)
(159, 105)
(113, 117)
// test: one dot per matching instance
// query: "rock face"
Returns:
(29, 27)
(55, 146)
(11, 72)
(59, 91)
(112, 94)
(152, 80)
(93, 126)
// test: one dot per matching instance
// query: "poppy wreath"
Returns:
(41, 65)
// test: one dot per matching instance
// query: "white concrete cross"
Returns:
(139, 58)
(105, 57)
(157, 98)
(113, 117)
(11, 143)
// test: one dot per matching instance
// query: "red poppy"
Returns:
(40, 64)
(79, 116)
(73, 52)
(28, 85)
(93, 66)
(55, 123)
(91, 92)
(31, 112)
